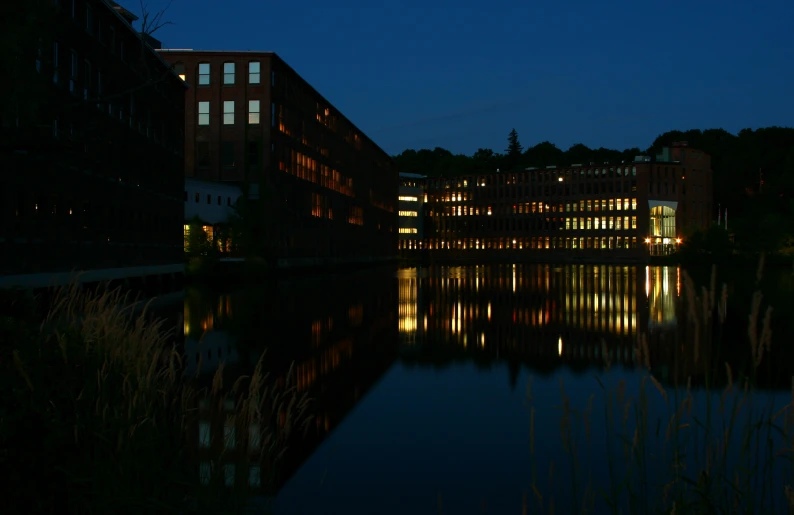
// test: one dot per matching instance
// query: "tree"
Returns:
(514, 148)
(197, 241)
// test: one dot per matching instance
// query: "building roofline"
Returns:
(412, 175)
(116, 10)
(274, 55)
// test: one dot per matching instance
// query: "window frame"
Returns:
(229, 76)
(228, 113)
(204, 103)
(204, 76)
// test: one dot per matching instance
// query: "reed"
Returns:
(100, 417)
(674, 450)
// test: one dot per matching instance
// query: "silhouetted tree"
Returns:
(514, 148)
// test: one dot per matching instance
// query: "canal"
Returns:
(444, 389)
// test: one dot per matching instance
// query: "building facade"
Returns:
(94, 181)
(411, 212)
(251, 119)
(593, 211)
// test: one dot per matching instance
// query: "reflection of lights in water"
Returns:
(489, 311)
(482, 339)
(425, 324)
(647, 281)
(559, 346)
(678, 282)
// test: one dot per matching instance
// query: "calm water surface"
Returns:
(420, 376)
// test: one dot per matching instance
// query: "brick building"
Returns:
(625, 210)
(252, 120)
(94, 180)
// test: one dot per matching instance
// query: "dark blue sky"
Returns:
(460, 74)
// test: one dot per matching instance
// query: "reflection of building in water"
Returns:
(545, 315)
(559, 312)
(206, 341)
(341, 336)
(662, 287)
(409, 306)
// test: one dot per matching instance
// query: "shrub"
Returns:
(100, 416)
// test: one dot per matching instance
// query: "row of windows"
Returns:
(407, 213)
(536, 176)
(536, 242)
(408, 199)
(88, 82)
(228, 76)
(540, 207)
(304, 167)
(228, 154)
(254, 110)
(197, 198)
(408, 230)
(88, 216)
(93, 25)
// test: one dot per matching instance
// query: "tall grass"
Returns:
(676, 450)
(98, 416)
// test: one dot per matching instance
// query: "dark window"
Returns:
(209, 198)
(203, 154)
(227, 154)
(253, 153)
(198, 198)
(185, 195)
(219, 200)
(228, 201)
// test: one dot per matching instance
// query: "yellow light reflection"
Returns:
(559, 346)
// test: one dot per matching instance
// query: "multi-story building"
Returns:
(612, 211)
(93, 180)
(411, 213)
(252, 120)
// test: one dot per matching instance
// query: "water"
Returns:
(419, 376)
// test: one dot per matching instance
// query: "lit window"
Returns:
(228, 73)
(253, 111)
(254, 74)
(179, 69)
(204, 74)
(228, 112)
(407, 213)
(407, 230)
(408, 199)
(203, 113)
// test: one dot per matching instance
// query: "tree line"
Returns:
(753, 173)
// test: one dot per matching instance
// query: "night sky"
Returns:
(460, 75)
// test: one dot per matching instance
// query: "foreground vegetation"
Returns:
(675, 450)
(97, 415)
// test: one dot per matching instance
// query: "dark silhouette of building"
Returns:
(251, 119)
(93, 181)
(614, 211)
